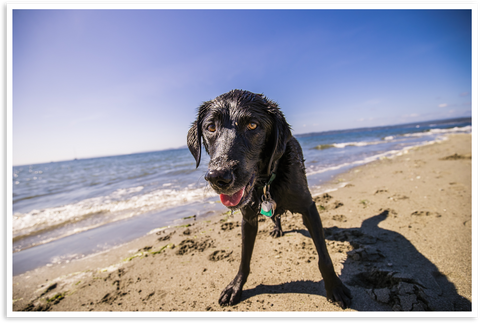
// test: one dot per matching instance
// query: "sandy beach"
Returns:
(399, 232)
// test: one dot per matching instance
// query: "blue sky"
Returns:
(90, 83)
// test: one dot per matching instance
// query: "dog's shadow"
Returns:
(384, 272)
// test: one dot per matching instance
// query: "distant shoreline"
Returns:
(300, 135)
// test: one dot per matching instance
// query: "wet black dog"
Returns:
(254, 158)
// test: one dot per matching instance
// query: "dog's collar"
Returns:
(272, 177)
(267, 205)
(267, 179)
(264, 181)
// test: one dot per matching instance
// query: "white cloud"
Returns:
(443, 105)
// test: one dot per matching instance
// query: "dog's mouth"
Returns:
(240, 197)
(232, 200)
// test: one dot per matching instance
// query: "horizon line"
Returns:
(186, 147)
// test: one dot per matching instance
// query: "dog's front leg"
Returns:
(232, 294)
(336, 290)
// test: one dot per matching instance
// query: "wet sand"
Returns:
(399, 232)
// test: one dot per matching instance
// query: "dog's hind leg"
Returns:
(277, 230)
(336, 290)
(232, 294)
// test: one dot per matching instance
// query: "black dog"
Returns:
(255, 159)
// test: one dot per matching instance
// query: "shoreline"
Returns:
(100, 239)
(218, 237)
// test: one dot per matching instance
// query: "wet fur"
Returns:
(248, 155)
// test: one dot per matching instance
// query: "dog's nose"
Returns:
(219, 177)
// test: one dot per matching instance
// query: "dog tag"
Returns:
(267, 209)
(268, 204)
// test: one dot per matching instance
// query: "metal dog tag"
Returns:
(267, 209)
(268, 204)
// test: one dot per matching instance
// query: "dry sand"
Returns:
(399, 233)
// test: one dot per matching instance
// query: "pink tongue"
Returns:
(233, 200)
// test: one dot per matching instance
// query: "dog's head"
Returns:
(244, 134)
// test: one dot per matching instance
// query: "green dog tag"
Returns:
(267, 209)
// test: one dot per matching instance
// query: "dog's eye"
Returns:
(211, 127)
(252, 126)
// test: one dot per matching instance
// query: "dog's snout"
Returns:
(222, 178)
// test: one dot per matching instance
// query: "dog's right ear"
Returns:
(194, 141)
(194, 136)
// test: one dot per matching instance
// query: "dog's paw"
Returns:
(339, 294)
(276, 233)
(231, 295)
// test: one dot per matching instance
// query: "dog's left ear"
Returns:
(281, 134)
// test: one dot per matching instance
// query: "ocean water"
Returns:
(67, 210)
